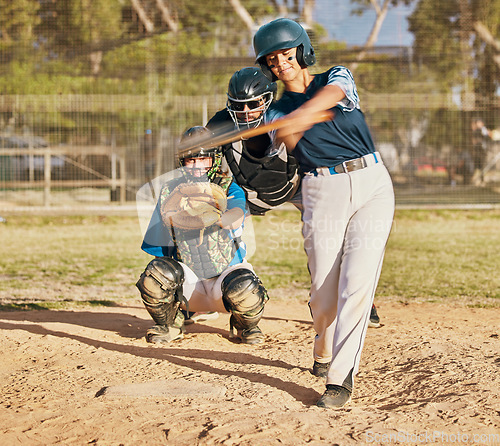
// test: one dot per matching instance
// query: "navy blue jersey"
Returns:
(330, 143)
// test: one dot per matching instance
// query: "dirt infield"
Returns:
(429, 375)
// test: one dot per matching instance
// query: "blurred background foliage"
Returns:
(103, 45)
(95, 71)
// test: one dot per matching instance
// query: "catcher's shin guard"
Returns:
(161, 290)
(244, 297)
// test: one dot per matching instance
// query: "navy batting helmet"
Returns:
(282, 34)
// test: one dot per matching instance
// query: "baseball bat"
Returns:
(228, 134)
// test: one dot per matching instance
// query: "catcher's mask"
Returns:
(249, 95)
(281, 34)
(194, 162)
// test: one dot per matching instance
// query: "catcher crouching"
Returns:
(199, 265)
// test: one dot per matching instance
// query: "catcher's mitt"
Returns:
(194, 205)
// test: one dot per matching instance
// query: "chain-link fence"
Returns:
(88, 116)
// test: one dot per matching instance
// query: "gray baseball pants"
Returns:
(347, 219)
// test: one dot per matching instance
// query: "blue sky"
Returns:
(335, 16)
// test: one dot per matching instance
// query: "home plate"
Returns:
(178, 388)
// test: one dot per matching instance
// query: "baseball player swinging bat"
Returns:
(227, 134)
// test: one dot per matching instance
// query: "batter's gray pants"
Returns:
(347, 219)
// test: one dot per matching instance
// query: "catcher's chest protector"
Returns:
(268, 181)
(208, 251)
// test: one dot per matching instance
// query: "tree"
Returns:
(457, 40)
(81, 27)
(17, 27)
(285, 8)
(381, 8)
(148, 13)
(486, 46)
(484, 34)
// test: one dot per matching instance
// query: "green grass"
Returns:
(433, 256)
(48, 260)
(279, 258)
(444, 255)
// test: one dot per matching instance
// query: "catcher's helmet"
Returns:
(282, 34)
(195, 133)
(249, 87)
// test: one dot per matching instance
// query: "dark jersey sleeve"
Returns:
(220, 118)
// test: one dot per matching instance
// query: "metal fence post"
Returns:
(46, 177)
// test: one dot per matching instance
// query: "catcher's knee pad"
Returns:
(244, 297)
(160, 285)
(160, 280)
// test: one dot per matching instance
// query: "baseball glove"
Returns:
(194, 205)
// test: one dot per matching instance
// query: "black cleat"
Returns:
(334, 397)
(320, 369)
(374, 321)
(161, 334)
(252, 336)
